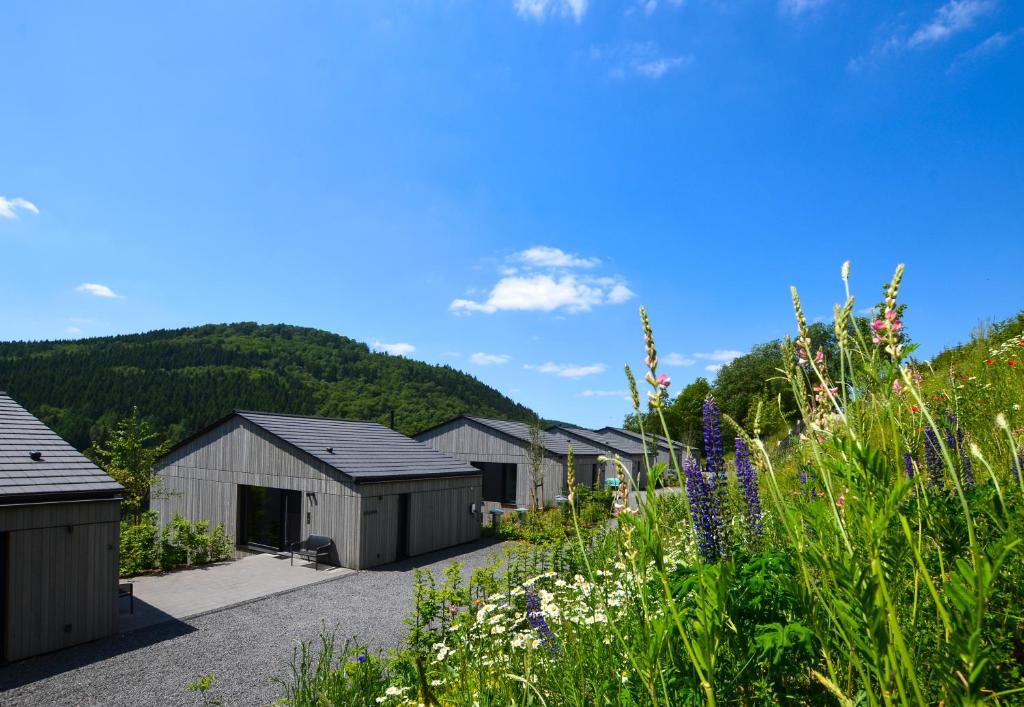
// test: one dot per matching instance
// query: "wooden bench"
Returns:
(313, 548)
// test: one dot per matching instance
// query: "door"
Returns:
(402, 550)
(3, 597)
(269, 518)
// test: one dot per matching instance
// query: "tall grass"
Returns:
(868, 573)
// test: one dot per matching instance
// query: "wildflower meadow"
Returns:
(869, 555)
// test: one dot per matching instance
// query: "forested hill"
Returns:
(184, 379)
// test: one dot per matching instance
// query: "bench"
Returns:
(313, 548)
(127, 589)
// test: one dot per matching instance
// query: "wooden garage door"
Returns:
(62, 587)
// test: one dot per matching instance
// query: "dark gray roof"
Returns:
(636, 436)
(520, 430)
(61, 471)
(622, 445)
(364, 451)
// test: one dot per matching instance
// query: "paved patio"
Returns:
(247, 647)
(188, 593)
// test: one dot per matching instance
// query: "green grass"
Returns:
(866, 586)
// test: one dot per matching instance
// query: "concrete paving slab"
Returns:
(187, 593)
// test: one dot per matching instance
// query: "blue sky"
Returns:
(499, 185)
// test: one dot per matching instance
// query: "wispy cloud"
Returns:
(649, 7)
(604, 394)
(677, 359)
(639, 59)
(547, 280)
(656, 68)
(399, 348)
(547, 257)
(719, 355)
(996, 43)
(9, 207)
(950, 19)
(97, 290)
(73, 331)
(713, 367)
(953, 17)
(486, 359)
(567, 370)
(540, 10)
(797, 8)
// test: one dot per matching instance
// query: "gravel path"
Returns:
(245, 647)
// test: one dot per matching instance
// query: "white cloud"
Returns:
(485, 359)
(10, 207)
(720, 355)
(995, 43)
(953, 17)
(544, 293)
(92, 288)
(650, 6)
(713, 368)
(400, 348)
(677, 359)
(73, 330)
(567, 370)
(656, 68)
(539, 10)
(605, 394)
(643, 59)
(800, 7)
(543, 256)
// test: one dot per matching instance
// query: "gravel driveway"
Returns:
(245, 647)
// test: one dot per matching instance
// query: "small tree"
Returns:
(535, 459)
(128, 455)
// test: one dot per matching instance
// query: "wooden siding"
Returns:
(466, 441)
(62, 575)
(200, 482)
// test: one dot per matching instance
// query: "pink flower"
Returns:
(819, 357)
(878, 325)
(664, 381)
(876, 340)
(897, 325)
(897, 387)
(890, 314)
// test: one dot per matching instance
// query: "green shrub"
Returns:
(139, 550)
(145, 547)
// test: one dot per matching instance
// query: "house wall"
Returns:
(470, 442)
(62, 561)
(200, 482)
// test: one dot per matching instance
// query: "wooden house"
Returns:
(629, 451)
(59, 521)
(274, 480)
(500, 449)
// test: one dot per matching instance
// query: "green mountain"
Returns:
(184, 379)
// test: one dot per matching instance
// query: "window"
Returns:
(499, 481)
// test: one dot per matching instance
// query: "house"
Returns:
(629, 451)
(274, 479)
(59, 521)
(659, 447)
(500, 449)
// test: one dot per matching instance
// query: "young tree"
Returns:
(535, 460)
(128, 455)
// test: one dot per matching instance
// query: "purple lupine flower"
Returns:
(535, 616)
(702, 502)
(908, 464)
(955, 443)
(933, 458)
(713, 446)
(747, 478)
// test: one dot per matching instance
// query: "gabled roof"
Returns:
(622, 445)
(637, 437)
(61, 471)
(363, 451)
(551, 442)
